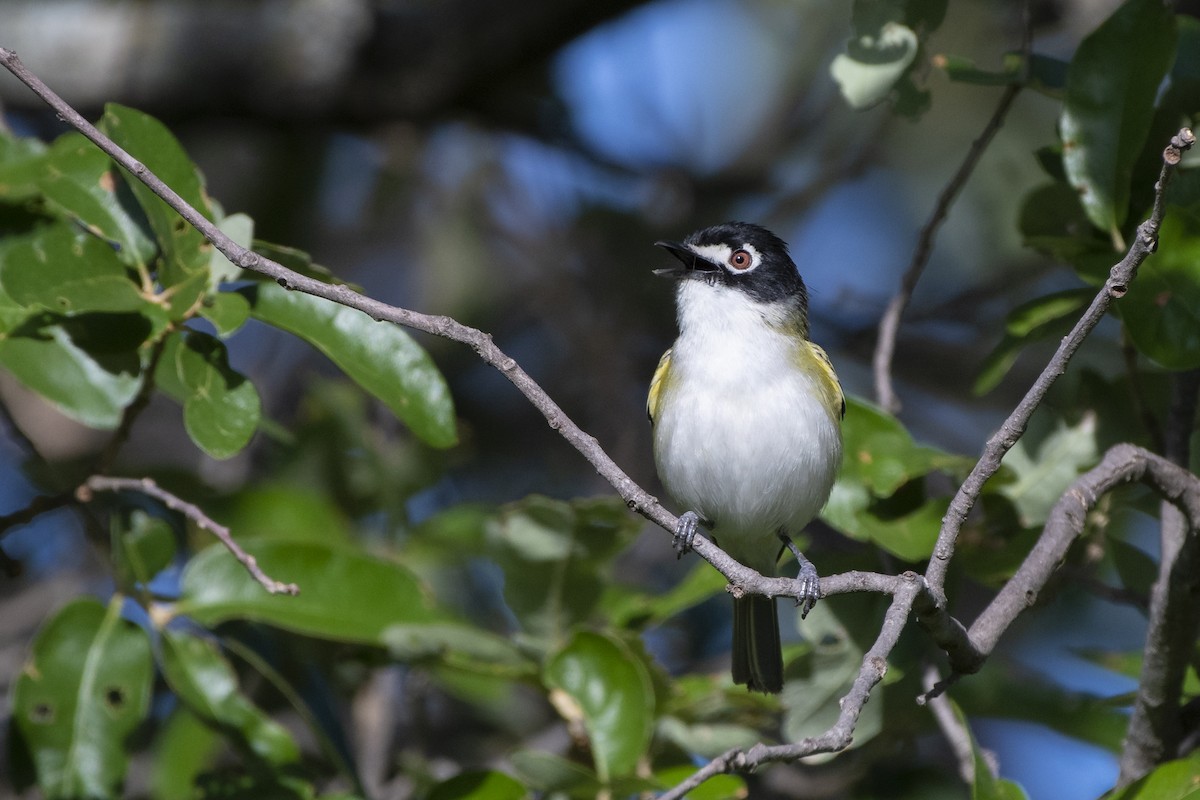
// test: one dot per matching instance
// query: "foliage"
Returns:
(524, 613)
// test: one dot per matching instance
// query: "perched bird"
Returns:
(747, 415)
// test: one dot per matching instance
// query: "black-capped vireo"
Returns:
(747, 419)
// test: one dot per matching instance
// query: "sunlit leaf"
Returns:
(84, 689)
(70, 272)
(186, 253)
(610, 691)
(1045, 468)
(873, 64)
(378, 356)
(86, 366)
(227, 311)
(1111, 88)
(345, 595)
(1041, 318)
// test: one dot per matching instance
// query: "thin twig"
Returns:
(1121, 275)
(146, 486)
(953, 729)
(889, 323)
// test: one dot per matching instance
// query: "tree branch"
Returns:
(889, 323)
(1119, 278)
(101, 483)
(1155, 727)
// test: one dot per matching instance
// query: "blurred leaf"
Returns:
(186, 254)
(1162, 308)
(345, 595)
(70, 272)
(706, 739)
(85, 366)
(379, 357)
(479, 785)
(997, 691)
(718, 787)
(184, 748)
(1174, 780)
(1138, 571)
(610, 691)
(557, 558)
(84, 689)
(20, 162)
(201, 677)
(631, 608)
(1111, 88)
(227, 311)
(458, 645)
(873, 63)
(287, 513)
(1040, 318)
(815, 683)
(547, 772)
(143, 546)
(221, 409)
(1043, 475)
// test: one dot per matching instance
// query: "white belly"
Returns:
(742, 438)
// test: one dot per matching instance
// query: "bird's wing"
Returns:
(656, 385)
(828, 377)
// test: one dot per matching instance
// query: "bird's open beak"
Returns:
(689, 261)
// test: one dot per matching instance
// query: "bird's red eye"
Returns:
(740, 260)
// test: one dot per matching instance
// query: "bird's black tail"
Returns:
(757, 657)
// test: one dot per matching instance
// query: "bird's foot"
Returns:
(809, 591)
(685, 534)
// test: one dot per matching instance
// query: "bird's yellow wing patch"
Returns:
(657, 383)
(831, 387)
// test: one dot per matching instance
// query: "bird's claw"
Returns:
(809, 591)
(685, 534)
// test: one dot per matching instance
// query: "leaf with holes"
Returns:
(84, 689)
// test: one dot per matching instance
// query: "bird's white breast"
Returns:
(741, 435)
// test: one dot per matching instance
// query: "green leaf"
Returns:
(706, 739)
(86, 366)
(479, 785)
(379, 357)
(240, 228)
(1041, 318)
(1162, 308)
(718, 787)
(630, 608)
(1174, 780)
(70, 272)
(815, 683)
(1045, 466)
(186, 253)
(183, 749)
(345, 595)
(547, 772)
(611, 692)
(84, 689)
(874, 63)
(201, 677)
(227, 311)
(143, 546)
(458, 645)
(880, 452)
(557, 557)
(1111, 88)
(221, 408)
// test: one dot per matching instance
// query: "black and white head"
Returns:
(741, 256)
